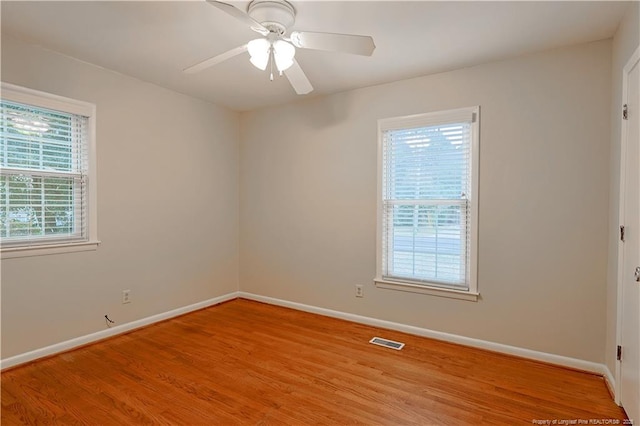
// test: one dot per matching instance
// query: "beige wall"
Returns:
(307, 174)
(625, 42)
(167, 207)
(308, 200)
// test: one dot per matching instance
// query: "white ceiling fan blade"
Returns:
(298, 79)
(215, 60)
(240, 16)
(347, 43)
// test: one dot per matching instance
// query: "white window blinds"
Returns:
(43, 182)
(426, 198)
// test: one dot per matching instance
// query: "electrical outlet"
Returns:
(126, 296)
(359, 290)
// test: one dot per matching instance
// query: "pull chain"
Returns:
(271, 60)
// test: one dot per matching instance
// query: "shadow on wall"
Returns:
(324, 111)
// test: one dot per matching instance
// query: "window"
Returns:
(47, 178)
(427, 203)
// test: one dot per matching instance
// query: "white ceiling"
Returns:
(155, 40)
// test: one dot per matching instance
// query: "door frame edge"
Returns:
(635, 57)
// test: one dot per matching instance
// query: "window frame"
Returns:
(426, 120)
(35, 247)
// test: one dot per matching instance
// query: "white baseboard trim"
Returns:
(610, 381)
(592, 367)
(110, 332)
(560, 360)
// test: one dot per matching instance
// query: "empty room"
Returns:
(320, 212)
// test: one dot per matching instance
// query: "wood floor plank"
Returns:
(244, 362)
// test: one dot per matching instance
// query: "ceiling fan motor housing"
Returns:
(276, 15)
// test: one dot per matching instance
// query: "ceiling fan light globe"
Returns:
(296, 39)
(283, 53)
(260, 62)
(284, 49)
(259, 52)
(258, 46)
(283, 65)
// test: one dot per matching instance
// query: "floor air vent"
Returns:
(387, 343)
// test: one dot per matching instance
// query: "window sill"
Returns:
(43, 250)
(423, 289)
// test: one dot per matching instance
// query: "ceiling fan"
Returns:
(272, 19)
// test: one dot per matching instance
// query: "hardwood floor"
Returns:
(244, 362)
